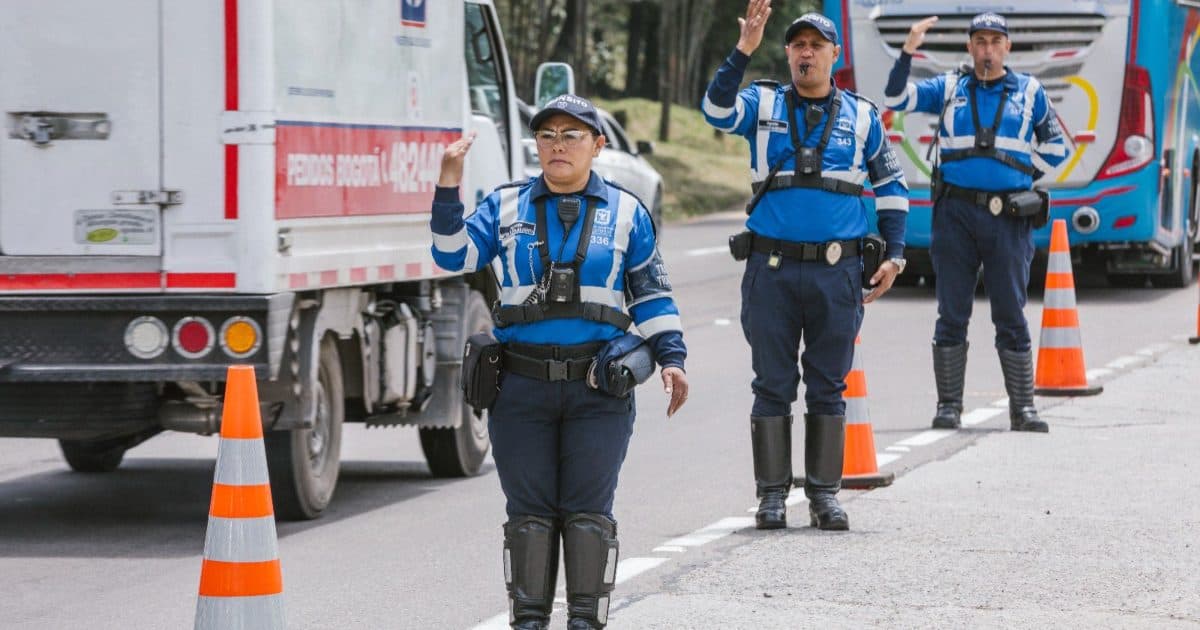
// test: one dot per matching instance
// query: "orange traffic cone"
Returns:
(241, 586)
(859, 468)
(1060, 366)
(1195, 340)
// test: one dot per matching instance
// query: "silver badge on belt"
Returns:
(833, 252)
(996, 205)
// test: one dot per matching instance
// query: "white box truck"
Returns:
(189, 185)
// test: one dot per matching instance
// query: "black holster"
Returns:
(872, 257)
(481, 370)
(740, 245)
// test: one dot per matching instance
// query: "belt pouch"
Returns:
(740, 244)
(481, 371)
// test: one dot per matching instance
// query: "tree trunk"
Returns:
(669, 35)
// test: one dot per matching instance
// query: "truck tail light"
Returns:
(1134, 147)
(146, 337)
(193, 337)
(240, 337)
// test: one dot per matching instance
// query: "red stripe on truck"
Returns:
(201, 280)
(69, 281)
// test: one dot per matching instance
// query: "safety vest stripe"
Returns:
(602, 295)
(241, 501)
(856, 177)
(509, 206)
(241, 463)
(906, 100)
(862, 131)
(957, 143)
(1059, 262)
(1031, 89)
(662, 323)
(766, 111)
(1058, 298)
(948, 91)
(1060, 281)
(515, 295)
(717, 112)
(1060, 317)
(240, 579)
(1061, 338)
(241, 539)
(450, 243)
(623, 226)
(223, 613)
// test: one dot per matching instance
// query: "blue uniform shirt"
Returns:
(858, 151)
(1029, 130)
(623, 268)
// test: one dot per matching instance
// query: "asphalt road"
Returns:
(400, 549)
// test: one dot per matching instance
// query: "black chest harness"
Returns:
(557, 295)
(985, 138)
(808, 159)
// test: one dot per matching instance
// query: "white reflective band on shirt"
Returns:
(766, 111)
(1031, 90)
(892, 202)
(241, 462)
(623, 229)
(906, 100)
(509, 205)
(241, 539)
(722, 113)
(947, 101)
(1058, 298)
(1059, 262)
(515, 295)
(450, 243)
(1061, 338)
(651, 297)
(662, 323)
(862, 131)
(1002, 142)
(602, 295)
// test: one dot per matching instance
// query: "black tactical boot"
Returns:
(949, 370)
(530, 570)
(1018, 380)
(590, 558)
(771, 439)
(824, 441)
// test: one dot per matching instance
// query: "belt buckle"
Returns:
(833, 252)
(556, 370)
(995, 205)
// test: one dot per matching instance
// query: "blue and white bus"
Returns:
(1121, 75)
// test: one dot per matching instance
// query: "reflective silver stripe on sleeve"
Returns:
(231, 613)
(652, 297)
(241, 462)
(906, 100)
(450, 243)
(862, 130)
(510, 203)
(662, 323)
(717, 112)
(1026, 133)
(766, 111)
(1058, 298)
(1061, 338)
(892, 202)
(626, 211)
(241, 539)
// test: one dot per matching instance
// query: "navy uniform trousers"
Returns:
(965, 235)
(558, 446)
(813, 302)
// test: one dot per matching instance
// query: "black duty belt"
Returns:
(550, 363)
(993, 202)
(830, 252)
(827, 184)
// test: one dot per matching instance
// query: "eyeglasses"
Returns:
(571, 138)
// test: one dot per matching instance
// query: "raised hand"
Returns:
(452, 161)
(916, 35)
(752, 25)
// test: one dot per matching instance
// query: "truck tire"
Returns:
(459, 452)
(98, 456)
(1180, 274)
(303, 463)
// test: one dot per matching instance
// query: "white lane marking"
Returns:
(707, 534)
(499, 622)
(1153, 349)
(1000, 402)
(898, 448)
(721, 321)
(883, 459)
(706, 251)
(630, 568)
(926, 438)
(981, 415)
(669, 549)
(796, 499)
(1120, 363)
(1098, 373)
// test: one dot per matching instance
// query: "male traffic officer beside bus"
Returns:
(580, 264)
(812, 147)
(994, 124)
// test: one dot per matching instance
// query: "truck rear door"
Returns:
(80, 155)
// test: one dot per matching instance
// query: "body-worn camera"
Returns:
(985, 138)
(562, 284)
(808, 161)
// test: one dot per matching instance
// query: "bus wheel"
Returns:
(304, 462)
(1180, 274)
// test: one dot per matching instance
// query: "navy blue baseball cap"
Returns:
(988, 22)
(822, 24)
(576, 107)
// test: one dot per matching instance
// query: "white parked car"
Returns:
(620, 161)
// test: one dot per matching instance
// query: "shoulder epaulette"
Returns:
(515, 184)
(860, 97)
(767, 82)
(624, 189)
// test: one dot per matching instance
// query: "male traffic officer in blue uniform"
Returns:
(998, 133)
(803, 278)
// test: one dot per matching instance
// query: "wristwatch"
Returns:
(900, 263)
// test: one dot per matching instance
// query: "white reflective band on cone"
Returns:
(241, 539)
(241, 463)
(856, 411)
(1059, 263)
(1059, 298)
(1061, 338)
(264, 612)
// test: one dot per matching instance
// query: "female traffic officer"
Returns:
(580, 264)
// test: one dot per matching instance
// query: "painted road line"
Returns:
(981, 415)
(926, 438)
(883, 459)
(499, 622)
(706, 251)
(705, 535)
(630, 568)
(1000, 402)
(795, 497)
(721, 321)
(669, 549)
(1120, 363)
(1098, 373)
(898, 448)
(1154, 349)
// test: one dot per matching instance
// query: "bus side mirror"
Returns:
(645, 147)
(554, 78)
